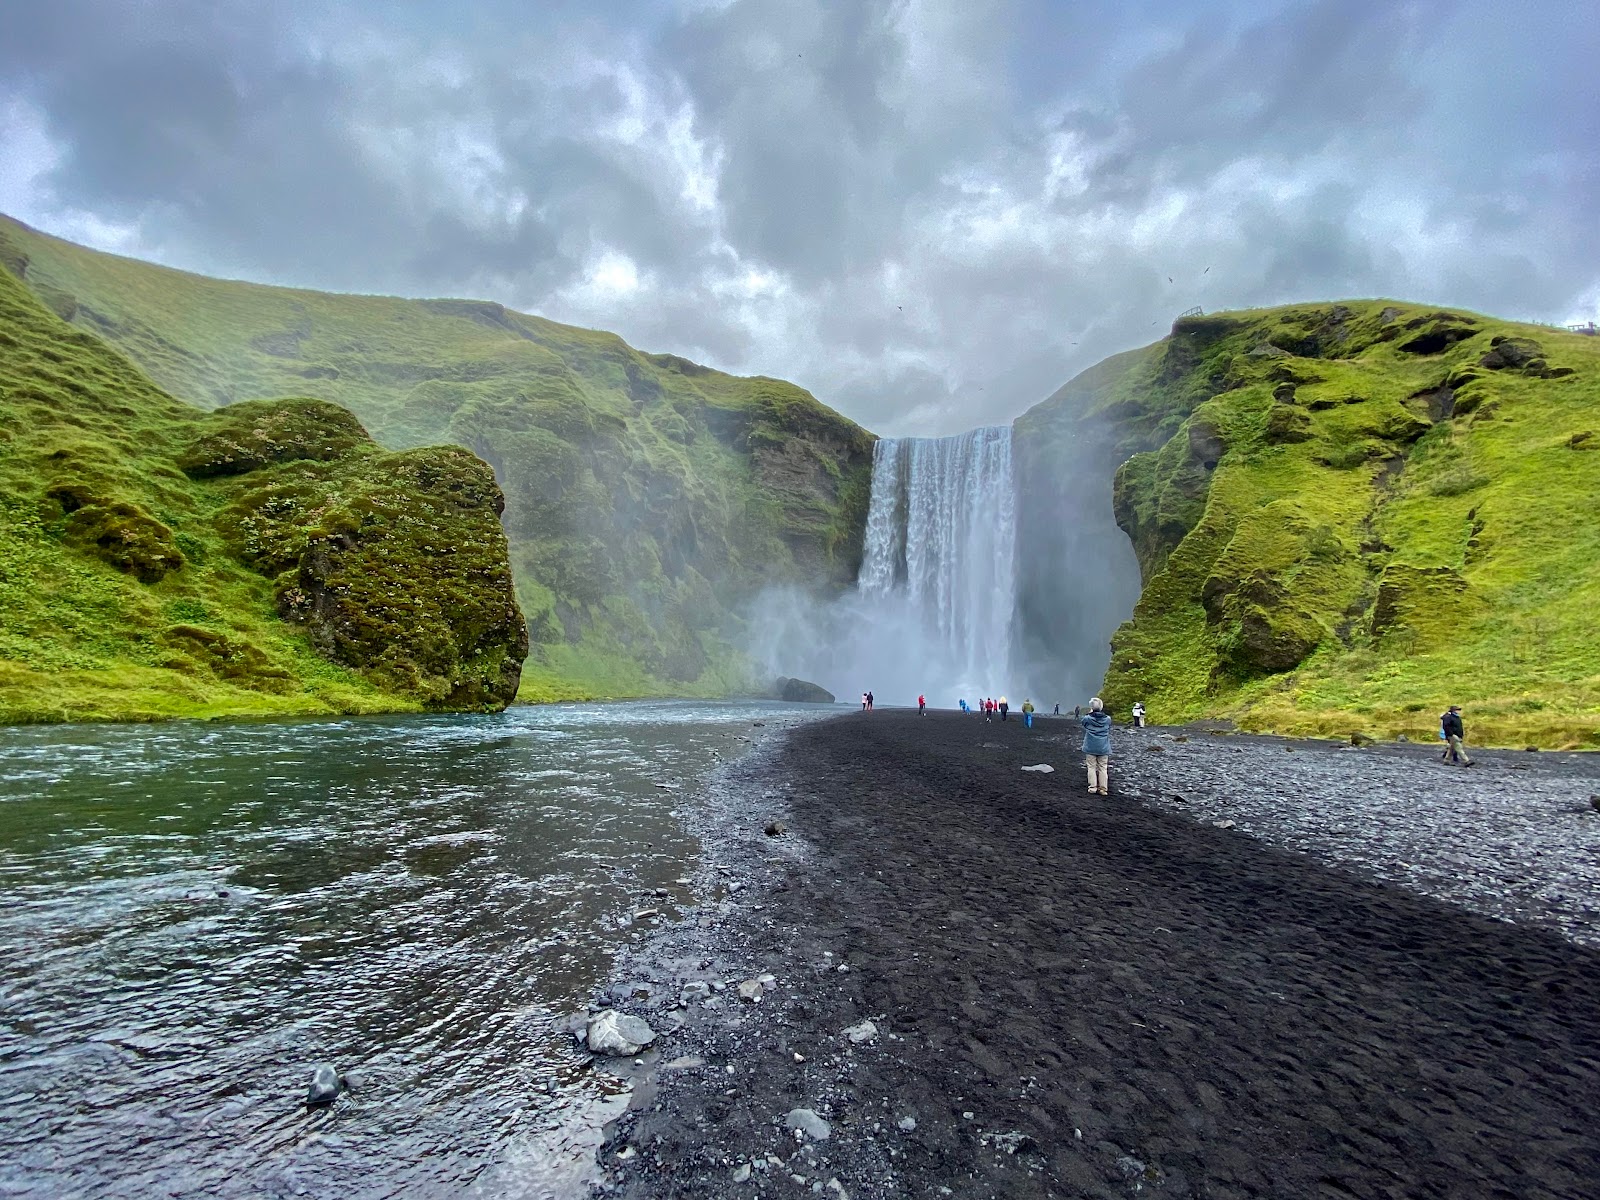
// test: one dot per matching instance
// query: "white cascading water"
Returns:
(939, 570)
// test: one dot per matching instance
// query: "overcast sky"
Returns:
(930, 213)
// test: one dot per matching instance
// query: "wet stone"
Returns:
(806, 1121)
(325, 1086)
(618, 1034)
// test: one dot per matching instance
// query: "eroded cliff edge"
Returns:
(1349, 515)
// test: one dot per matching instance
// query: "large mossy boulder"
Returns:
(396, 565)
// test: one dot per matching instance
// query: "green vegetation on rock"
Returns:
(648, 499)
(1348, 516)
(158, 561)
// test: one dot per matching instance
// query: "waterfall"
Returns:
(939, 575)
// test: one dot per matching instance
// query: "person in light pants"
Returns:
(1097, 746)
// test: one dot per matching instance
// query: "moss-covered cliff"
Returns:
(156, 560)
(648, 499)
(1347, 516)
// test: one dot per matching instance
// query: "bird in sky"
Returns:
(1169, 278)
(1207, 271)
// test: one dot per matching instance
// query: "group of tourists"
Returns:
(1097, 740)
(1096, 724)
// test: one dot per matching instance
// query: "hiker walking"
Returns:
(1027, 713)
(1004, 708)
(1057, 711)
(863, 702)
(922, 705)
(1455, 735)
(1138, 714)
(869, 701)
(1097, 746)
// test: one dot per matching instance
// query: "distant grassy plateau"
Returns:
(648, 499)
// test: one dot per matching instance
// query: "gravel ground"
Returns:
(1379, 981)
(1515, 836)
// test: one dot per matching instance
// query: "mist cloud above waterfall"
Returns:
(930, 213)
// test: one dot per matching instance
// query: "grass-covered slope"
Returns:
(1348, 516)
(156, 560)
(647, 498)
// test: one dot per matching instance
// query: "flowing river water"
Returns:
(192, 916)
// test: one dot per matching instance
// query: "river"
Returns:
(193, 915)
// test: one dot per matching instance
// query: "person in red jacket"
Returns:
(922, 705)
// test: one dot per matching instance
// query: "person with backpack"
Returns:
(1027, 713)
(1005, 707)
(922, 706)
(1097, 746)
(1138, 714)
(1455, 735)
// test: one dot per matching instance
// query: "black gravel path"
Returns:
(1080, 996)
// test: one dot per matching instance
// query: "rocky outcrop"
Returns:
(130, 525)
(801, 691)
(1358, 504)
(395, 565)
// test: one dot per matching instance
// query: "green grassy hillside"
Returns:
(156, 560)
(647, 498)
(1348, 516)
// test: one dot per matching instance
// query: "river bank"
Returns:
(1209, 983)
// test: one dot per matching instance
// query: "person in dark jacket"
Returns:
(1097, 746)
(1455, 734)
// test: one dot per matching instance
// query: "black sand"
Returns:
(1086, 996)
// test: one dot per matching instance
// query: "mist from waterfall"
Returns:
(935, 605)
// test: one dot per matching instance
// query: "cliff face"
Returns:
(1077, 577)
(1348, 516)
(156, 560)
(648, 499)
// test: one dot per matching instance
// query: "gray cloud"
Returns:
(929, 212)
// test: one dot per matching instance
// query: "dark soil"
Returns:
(1082, 996)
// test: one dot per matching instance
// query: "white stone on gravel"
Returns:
(861, 1034)
(806, 1121)
(907, 1124)
(741, 1173)
(617, 1034)
(694, 991)
(751, 990)
(1041, 768)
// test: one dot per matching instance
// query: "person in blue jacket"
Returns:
(1097, 745)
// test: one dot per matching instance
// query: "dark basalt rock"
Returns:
(801, 691)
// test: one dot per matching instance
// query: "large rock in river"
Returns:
(802, 691)
(617, 1034)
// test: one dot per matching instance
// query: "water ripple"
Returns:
(194, 915)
